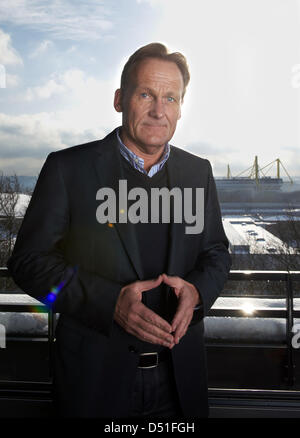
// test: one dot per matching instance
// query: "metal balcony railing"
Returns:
(289, 314)
(287, 277)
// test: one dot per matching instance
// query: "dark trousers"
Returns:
(155, 393)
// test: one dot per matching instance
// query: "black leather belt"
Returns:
(151, 360)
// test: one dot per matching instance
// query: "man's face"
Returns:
(151, 105)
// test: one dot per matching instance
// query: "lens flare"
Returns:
(54, 291)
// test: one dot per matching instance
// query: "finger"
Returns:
(180, 332)
(153, 318)
(170, 281)
(180, 329)
(181, 322)
(146, 331)
(152, 339)
(180, 314)
(150, 284)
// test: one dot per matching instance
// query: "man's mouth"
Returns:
(151, 125)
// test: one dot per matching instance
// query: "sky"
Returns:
(61, 60)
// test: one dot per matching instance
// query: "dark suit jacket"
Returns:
(61, 244)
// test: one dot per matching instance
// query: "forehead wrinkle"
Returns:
(160, 77)
(172, 76)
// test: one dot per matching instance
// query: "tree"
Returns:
(288, 231)
(10, 217)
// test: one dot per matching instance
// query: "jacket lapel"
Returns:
(107, 162)
(176, 229)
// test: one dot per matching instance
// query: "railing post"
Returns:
(51, 330)
(290, 378)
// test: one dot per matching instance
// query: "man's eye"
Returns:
(170, 99)
(145, 95)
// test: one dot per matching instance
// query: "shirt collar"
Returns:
(137, 162)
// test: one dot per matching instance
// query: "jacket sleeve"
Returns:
(39, 268)
(213, 262)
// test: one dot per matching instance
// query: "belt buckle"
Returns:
(149, 366)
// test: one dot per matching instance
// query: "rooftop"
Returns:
(247, 234)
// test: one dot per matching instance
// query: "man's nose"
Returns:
(157, 109)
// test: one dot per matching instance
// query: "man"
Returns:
(131, 292)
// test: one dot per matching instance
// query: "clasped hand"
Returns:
(140, 321)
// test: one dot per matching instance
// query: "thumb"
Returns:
(151, 284)
(170, 281)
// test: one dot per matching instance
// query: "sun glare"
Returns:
(248, 308)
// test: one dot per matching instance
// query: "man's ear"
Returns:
(118, 101)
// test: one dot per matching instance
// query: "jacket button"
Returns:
(132, 349)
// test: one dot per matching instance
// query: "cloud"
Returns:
(41, 48)
(50, 88)
(27, 135)
(35, 135)
(8, 55)
(203, 148)
(72, 80)
(26, 140)
(72, 49)
(64, 19)
(151, 2)
(12, 80)
(86, 114)
(74, 83)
